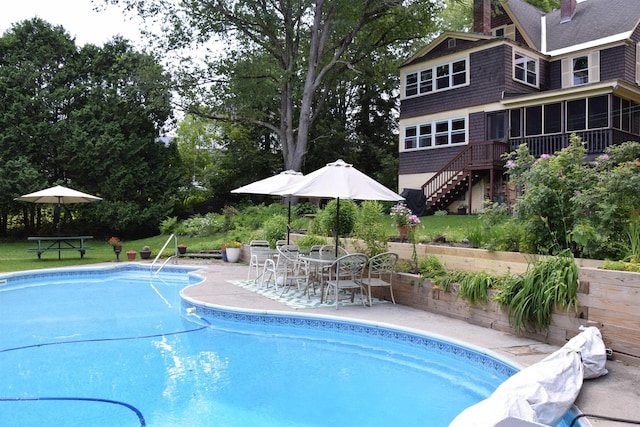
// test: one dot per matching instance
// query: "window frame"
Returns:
(580, 76)
(522, 66)
(427, 80)
(449, 129)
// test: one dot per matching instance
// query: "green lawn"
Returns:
(14, 254)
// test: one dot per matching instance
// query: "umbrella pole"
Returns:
(289, 222)
(337, 224)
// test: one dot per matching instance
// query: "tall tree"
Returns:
(88, 118)
(281, 52)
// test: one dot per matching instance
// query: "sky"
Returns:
(76, 16)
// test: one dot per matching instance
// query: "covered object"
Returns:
(543, 392)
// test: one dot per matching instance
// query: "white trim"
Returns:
(590, 44)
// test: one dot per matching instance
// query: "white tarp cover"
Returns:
(544, 391)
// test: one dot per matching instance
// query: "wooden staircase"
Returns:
(476, 161)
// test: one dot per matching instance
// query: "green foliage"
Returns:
(202, 225)
(168, 225)
(568, 203)
(308, 240)
(549, 283)
(305, 208)
(93, 116)
(474, 287)
(621, 266)
(274, 229)
(371, 229)
(326, 218)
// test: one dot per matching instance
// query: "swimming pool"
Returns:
(116, 347)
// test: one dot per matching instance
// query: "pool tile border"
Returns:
(308, 321)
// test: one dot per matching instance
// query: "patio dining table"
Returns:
(316, 265)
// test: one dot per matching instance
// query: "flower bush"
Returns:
(232, 244)
(114, 241)
(402, 215)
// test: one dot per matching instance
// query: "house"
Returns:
(521, 76)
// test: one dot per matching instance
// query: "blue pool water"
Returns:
(91, 347)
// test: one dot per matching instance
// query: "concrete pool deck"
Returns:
(616, 394)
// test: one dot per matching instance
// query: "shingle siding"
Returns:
(476, 127)
(486, 83)
(422, 161)
(610, 61)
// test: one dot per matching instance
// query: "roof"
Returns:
(527, 18)
(596, 22)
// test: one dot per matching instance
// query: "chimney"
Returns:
(567, 10)
(482, 16)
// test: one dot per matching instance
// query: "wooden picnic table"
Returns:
(59, 244)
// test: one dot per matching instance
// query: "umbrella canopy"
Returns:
(274, 185)
(340, 180)
(59, 195)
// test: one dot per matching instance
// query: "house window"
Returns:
(576, 115)
(515, 123)
(410, 137)
(533, 120)
(580, 70)
(598, 112)
(411, 84)
(496, 126)
(591, 113)
(447, 76)
(552, 118)
(439, 133)
(525, 69)
(625, 115)
(426, 81)
(536, 120)
(426, 137)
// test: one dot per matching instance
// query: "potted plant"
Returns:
(404, 220)
(145, 253)
(462, 209)
(131, 254)
(182, 249)
(232, 249)
(117, 246)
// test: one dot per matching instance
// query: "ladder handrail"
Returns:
(173, 236)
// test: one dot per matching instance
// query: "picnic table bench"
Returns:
(59, 244)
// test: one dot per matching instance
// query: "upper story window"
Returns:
(581, 69)
(525, 69)
(447, 76)
(436, 134)
(506, 31)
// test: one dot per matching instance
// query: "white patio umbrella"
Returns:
(340, 180)
(273, 186)
(58, 195)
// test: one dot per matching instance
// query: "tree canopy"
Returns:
(280, 62)
(88, 118)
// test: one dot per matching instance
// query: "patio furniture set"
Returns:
(333, 270)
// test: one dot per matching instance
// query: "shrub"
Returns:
(274, 229)
(548, 283)
(168, 225)
(371, 229)
(305, 208)
(308, 240)
(326, 218)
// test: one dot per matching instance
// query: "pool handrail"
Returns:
(173, 236)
